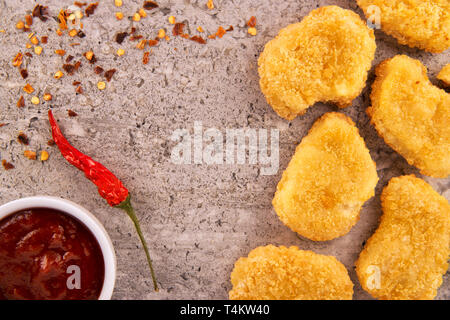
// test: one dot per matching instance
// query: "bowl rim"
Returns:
(85, 217)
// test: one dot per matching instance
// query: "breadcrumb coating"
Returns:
(280, 273)
(412, 115)
(444, 75)
(424, 24)
(327, 181)
(325, 57)
(410, 248)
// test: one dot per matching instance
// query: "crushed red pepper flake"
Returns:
(178, 29)
(230, 28)
(71, 113)
(2, 124)
(76, 83)
(7, 165)
(28, 54)
(81, 34)
(79, 90)
(153, 43)
(221, 32)
(40, 12)
(23, 139)
(252, 22)
(70, 69)
(150, 5)
(91, 9)
(80, 4)
(77, 65)
(44, 39)
(146, 57)
(120, 37)
(198, 39)
(51, 142)
(18, 59)
(136, 37)
(69, 58)
(24, 73)
(29, 19)
(21, 102)
(98, 70)
(109, 74)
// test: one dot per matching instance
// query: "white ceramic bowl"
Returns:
(85, 217)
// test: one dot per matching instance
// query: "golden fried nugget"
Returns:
(325, 57)
(412, 115)
(407, 256)
(444, 75)
(327, 181)
(280, 273)
(417, 23)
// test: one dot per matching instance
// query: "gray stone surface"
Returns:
(198, 219)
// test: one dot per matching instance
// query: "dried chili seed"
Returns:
(91, 9)
(6, 165)
(146, 57)
(198, 39)
(40, 12)
(109, 74)
(71, 113)
(24, 73)
(120, 37)
(251, 22)
(23, 139)
(21, 102)
(69, 69)
(178, 29)
(51, 142)
(69, 58)
(149, 5)
(98, 70)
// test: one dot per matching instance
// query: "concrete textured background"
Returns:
(198, 219)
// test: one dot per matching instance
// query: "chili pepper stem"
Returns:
(128, 208)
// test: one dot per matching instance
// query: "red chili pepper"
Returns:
(109, 186)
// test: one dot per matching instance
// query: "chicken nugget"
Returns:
(444, 75)
(424, 24)
(280, 273)
(412, 115)
(327, 181)
(407, 256)
(325, 57)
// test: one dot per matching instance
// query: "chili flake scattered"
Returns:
(17, 61)
(120, 52)
(142, 13)
(44, 155)
(28, 88)
(98, 70)
(60, 52)
(252, 31)
(172, 20)
(40, 12)
(21, 102)
(141, 44)
(120, 37)
(79, 90)
(69, 69)
(47, 97)
(251, 23)
(198, 39)
(73, 32)
(109, 74)
(89, 55)
(44, 39)
(200, 29)
(118, 3)
(146, 57)
(23, 139)
(51, 142)
(136, 17)
(20, 25)
(91, 9)
(6, 165)
(24, 73)
(30, 154)
(210, 4)
(34, 40)
(29, 19)
(71, 113)
(178, 29)
(152, 43)
(161, 33)
(221, 32)
(150, 5)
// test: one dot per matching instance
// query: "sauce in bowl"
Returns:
(46, 254)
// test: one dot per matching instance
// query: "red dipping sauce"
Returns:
(46, 254)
